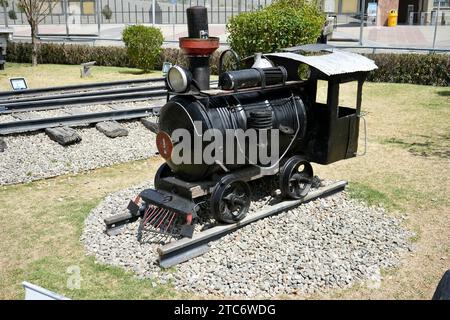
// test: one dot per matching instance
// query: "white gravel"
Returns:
(327, 243)
(33, 157)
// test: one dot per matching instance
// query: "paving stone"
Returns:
(3, 145)
(63, 135)
(112, 129)
(150, 125)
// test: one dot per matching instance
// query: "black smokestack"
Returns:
(197, 21)
(199, 45)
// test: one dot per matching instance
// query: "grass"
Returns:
(40, 240)
(369, 195)
(407, 170)
(42, 221)
(57, 75)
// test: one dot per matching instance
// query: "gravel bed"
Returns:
(7, 118)
(327, 243)
(34, 156)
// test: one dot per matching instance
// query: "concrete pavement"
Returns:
(399, 36)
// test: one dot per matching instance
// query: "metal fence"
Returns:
(134, 11)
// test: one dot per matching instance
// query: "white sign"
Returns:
(18, 84)
(372, 9)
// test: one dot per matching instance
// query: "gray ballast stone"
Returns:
(327, 243)
(3, 145)
(150, 125)
(112, 129)
(63, 135)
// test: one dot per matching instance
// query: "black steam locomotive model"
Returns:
(271, 94)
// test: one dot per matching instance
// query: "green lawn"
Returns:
(42, 221)
(48, 75)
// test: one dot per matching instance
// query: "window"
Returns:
(444, 3)
(85, 7)
(349, 6)
(88, 7)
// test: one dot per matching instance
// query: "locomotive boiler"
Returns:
(270, 98)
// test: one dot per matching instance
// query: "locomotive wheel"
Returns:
(163, 172)
(230, 200)
(296, 177)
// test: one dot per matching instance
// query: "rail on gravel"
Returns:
(22, 126)
(5, 94)
(187, 248)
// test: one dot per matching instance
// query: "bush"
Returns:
(107, 12)
(285, 23)
(12, 15)
(68, 54)
(426, 69)
(143, 45)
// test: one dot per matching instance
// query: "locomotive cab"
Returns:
(335, 128)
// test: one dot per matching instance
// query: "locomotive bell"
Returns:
(261, 62)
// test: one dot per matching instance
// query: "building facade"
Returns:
(409, 11)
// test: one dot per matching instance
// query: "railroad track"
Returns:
(78, 87)
(30, 125)
(88, 98)
(61, 101)
(187, 248)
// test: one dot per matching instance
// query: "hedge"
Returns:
(425, 69)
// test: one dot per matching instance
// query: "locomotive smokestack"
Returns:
(199, 45)
(197, 21)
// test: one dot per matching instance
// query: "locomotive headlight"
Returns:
(179, 79)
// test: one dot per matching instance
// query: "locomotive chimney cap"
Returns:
(199, 47)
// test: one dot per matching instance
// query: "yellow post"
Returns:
(392, 18)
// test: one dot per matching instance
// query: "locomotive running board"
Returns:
(187, 248)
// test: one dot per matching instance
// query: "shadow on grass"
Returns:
(444, 93)
(134, 72)
(425, 146)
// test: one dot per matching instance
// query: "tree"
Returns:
(36, 11)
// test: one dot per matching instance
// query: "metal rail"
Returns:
(79, 87)
(75, 120)
(187, 248)
(57, 101)
(83, 93)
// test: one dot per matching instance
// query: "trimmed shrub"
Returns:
(68, 54)
(143, 45)
(107, 12)
(12, 15)
(426, 69)
(285, 23)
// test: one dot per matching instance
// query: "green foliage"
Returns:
(369, 195)
(426, 69)
(69, 54)
(285, 23)
(107, 12)
(143, 45)
(12, 14)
